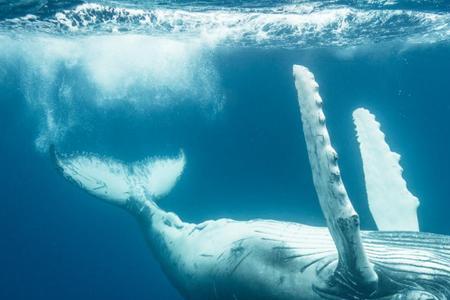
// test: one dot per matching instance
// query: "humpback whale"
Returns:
(276, 260)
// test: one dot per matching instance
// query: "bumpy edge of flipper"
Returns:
(392, 205)
(342, 220)
(116, 182)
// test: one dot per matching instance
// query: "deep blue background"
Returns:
(247, 161)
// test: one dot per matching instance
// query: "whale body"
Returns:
(276, 260)
(266, 259)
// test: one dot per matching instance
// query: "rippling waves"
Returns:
(262, 23)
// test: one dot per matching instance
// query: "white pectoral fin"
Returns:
(117, 182)
(393, 206)
(342, 219)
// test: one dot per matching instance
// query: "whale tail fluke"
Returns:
(117, 182)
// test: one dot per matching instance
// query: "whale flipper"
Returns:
(354, 270)
(393, 206)
(116, 182)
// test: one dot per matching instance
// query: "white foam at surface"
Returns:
(302, 24)
(393, 206)
(63, 78)
(119, 64)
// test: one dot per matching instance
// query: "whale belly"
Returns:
(263, 259)
(259, 259)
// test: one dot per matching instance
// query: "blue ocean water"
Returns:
(136, 79)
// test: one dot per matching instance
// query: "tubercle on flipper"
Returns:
(342, 219)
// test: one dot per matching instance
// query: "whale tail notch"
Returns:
(117, 182)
